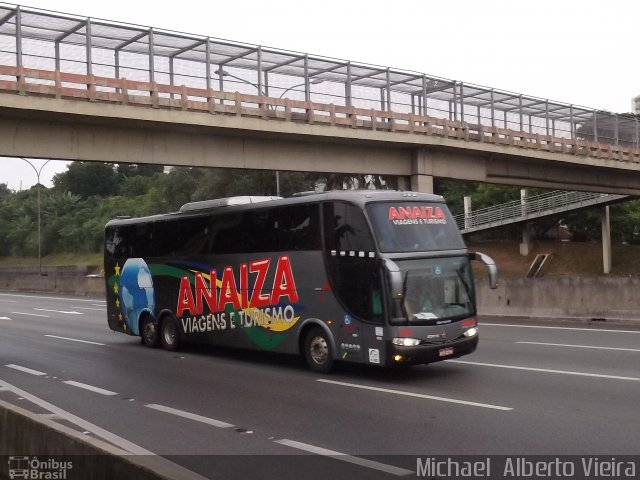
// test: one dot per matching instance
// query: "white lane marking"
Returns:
(155, 462)
(7, 301)
(25, 369)
(547, 370)
(85, 425)
(417, 395)
(598, 330)
(74, 340)
(58, 311)
(363, 462)
(30, 314)
(68, 299)
(5, 318)
(90, 308)
(190, 416)
(51, 416)
(91, 388)
(582, 346)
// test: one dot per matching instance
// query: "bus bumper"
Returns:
(398, 355)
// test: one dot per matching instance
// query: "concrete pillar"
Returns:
(606, 240)
(404, 183)
(467, 212)
(422, 183)
(525, 246)
(422, 171)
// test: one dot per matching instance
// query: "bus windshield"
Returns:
(414, 226)
(436, 289)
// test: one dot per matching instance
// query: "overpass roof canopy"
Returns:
(46, 29)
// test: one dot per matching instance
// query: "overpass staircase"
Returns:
(531, 208)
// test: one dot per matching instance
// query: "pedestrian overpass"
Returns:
(75, 88)
(528, 209)
(531, 208)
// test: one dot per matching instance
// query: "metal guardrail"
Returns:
(532, 207)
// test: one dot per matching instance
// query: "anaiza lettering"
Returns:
(416, 215)
(239, 298)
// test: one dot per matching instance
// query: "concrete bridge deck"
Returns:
(50, 114)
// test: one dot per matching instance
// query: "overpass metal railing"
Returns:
(94, 88)
(531, 207)
(40, 39)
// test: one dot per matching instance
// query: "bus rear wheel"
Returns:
(170, 334)
(149, 332)
(317, 351)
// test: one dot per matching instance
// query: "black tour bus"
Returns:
(377, 277)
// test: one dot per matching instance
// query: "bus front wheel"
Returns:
(317, 350)
(169, 334)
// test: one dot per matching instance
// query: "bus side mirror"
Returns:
(396, 285)
(395, 277)
(491, 265)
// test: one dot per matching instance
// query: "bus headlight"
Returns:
(472, 332)
(406, 342)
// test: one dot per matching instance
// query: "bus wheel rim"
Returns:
(169, 334)
(319, 350)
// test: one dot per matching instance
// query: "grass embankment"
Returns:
(59, 259)
(567, 258)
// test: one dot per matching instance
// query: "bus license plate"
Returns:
(445, 352)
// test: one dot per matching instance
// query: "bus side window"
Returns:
(297, 227)
(111, 240)
(120, 244)
(194, 236)
(357, 283)
(230, 234)
(346, 228)
(355, 278)
(286, 228)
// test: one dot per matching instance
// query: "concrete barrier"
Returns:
(73, 280)
(57, 449)
(604, 298)
(587, 298)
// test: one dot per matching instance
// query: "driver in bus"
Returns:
(419, 301)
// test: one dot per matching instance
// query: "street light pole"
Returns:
(38, 172)
(312, 82)
(223, 73)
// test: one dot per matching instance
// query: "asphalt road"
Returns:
(547, 388)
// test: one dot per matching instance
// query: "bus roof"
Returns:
(234, 204)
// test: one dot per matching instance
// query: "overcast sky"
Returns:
(582, 52)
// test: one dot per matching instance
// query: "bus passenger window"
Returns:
(346, 228)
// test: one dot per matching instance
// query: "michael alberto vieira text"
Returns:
(523, 467)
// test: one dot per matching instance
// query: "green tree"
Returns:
(88, 179)
(129, 170)
(4, 191)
